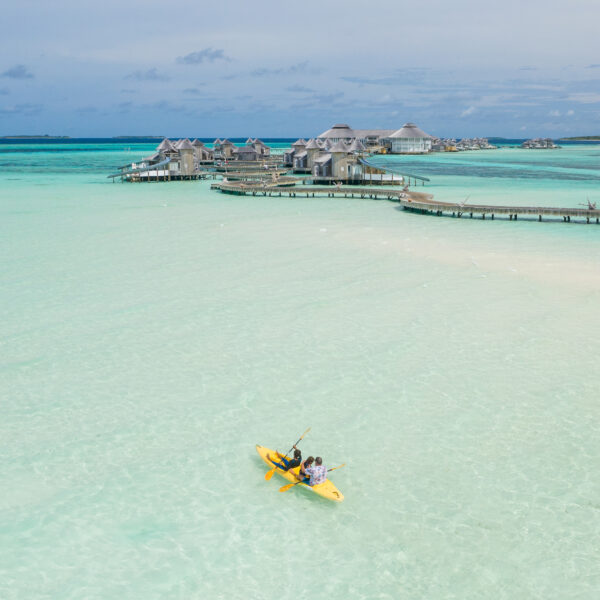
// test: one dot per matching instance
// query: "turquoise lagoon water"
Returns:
(152, 334)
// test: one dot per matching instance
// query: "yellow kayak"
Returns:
(326, 489)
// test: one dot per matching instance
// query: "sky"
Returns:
(464, 68)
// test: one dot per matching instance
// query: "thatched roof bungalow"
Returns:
(247, 153)
(338, 132)
(409, 139)
(342, 131)
(165, 146)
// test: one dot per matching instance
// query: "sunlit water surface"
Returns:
(152, 334)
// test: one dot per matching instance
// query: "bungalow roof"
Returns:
(410, 131)
(341, 130)
(339, 147)
(166, 144)
(356, 146)
(325, 158)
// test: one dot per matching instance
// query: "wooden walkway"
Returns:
(431, 207)
(308, 191)
(413, 201)
(254, 181)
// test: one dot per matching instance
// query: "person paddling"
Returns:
(287, 463)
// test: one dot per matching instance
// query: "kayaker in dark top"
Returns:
(288, 463)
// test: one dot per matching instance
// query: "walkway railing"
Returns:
(412, 201)
(367, 163)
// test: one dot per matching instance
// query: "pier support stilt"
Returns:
(539, 217)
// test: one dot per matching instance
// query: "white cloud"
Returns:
(585, 97)
(554, 113)
(570, 113)
(468, 111)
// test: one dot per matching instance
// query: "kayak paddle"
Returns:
(270, 473)
(285, 488)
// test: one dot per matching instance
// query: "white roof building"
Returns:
(409, 139)
(338, 132)
(342, 131)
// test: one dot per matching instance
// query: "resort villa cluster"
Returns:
(338, 155)
(540, 144)
(338, 162)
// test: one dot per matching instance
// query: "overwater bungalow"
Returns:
(338, 133)
(177, 160)
(329, 161)
(342, 162)
(409, 139)
(343, 132)
(443, 145)
(254, 150)
(540, 144)
(297, 147)
(201, 153)
(223, 149)
(475, 144)
(301, 161)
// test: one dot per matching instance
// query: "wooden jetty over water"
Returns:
(411, 201)
(432, 207)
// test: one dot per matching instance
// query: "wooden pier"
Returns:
(234, 165)
(308, 191)
(253, 182)
(414, 201)
(483, 211)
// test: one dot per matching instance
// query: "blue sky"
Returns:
(197, 68)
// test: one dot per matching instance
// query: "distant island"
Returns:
(35, 137)
(581, 138)
(137, 137)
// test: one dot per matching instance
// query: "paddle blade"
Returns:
(303, 435)
(338, 467)
(270, 473)
(285, 488)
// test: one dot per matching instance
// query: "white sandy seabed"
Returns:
(151, 335)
